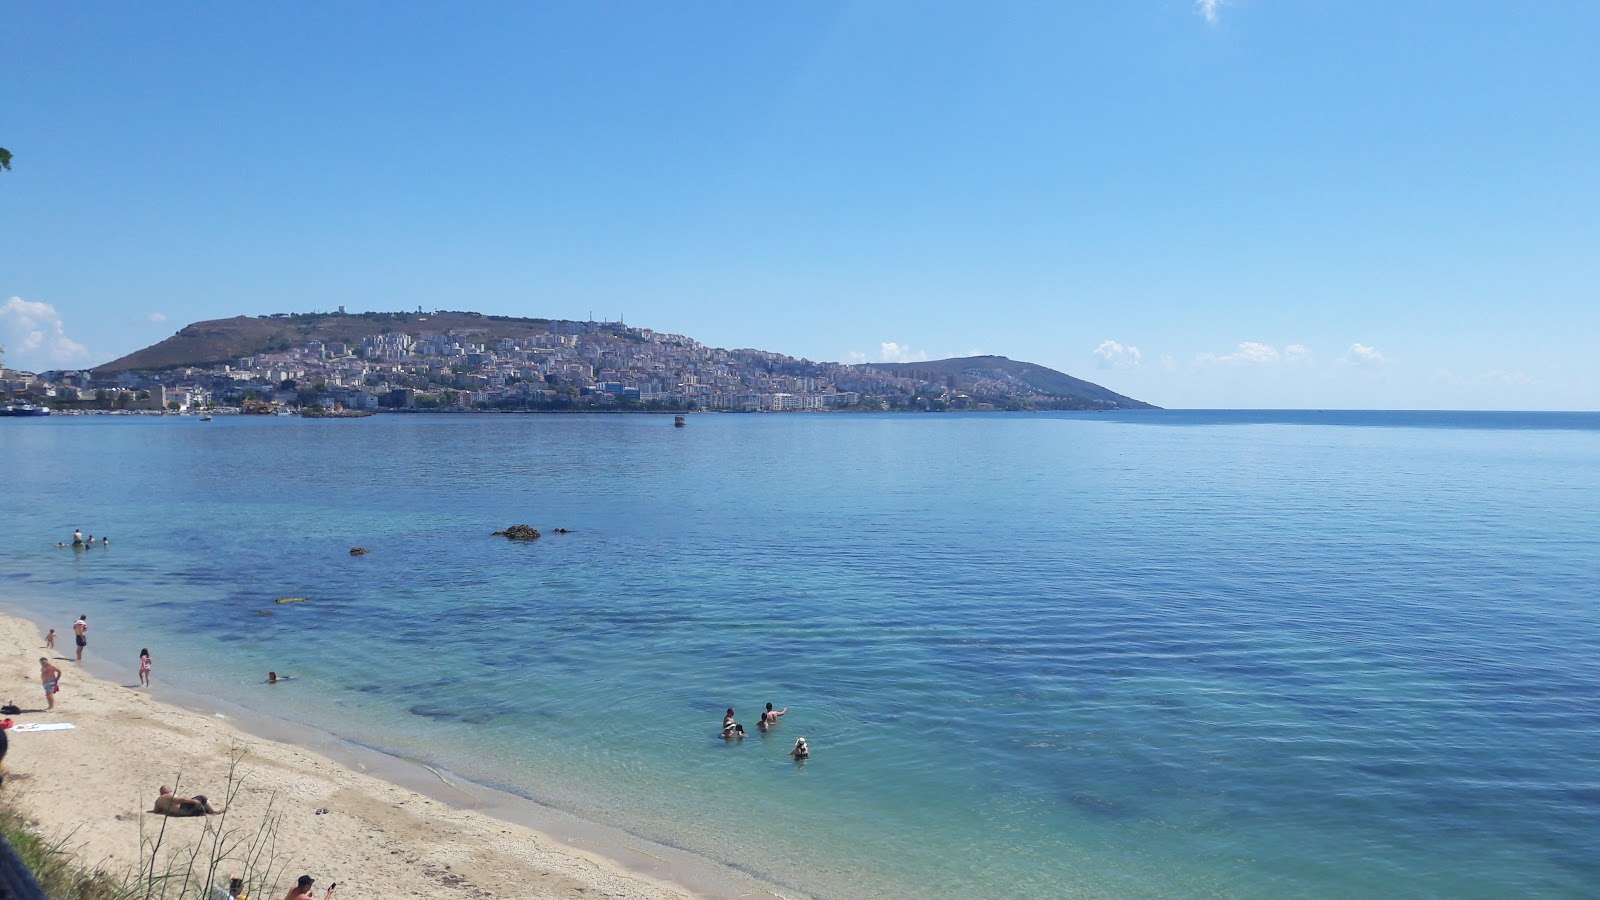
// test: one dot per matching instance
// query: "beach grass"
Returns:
(59, 875)
(167, 869)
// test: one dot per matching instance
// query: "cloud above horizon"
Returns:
(1254, 353)
(1208, 9)
(158, 318)
(889, 351)
(34, 331)
(1113, 355)
(1362, 355)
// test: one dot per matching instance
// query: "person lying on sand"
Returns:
(172, 805)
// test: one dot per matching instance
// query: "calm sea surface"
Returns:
(1153, 654)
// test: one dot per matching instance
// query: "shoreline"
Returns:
(394, 827)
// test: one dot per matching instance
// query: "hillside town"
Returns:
(573, 366)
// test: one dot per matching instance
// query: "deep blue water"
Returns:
(1152, 654)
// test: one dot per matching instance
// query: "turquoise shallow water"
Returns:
(1155, 654)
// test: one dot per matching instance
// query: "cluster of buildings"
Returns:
(575, 365)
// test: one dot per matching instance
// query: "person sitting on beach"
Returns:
(171, 804)
(770, 717)
(800, 751)
(302, 889)
(731, 728)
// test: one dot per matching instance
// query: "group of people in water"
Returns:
(733, 731)
(79, 542)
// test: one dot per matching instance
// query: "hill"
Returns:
(607, 357)
(222, 341)
(986, 373)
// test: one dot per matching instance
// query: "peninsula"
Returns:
(445, 360)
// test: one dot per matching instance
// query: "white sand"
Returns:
(98, 780)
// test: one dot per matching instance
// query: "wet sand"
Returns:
(392, 828)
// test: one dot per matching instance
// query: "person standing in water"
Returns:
(770, 718)
(80, 632)
(144, 667)
(50, 640)
(77, 537)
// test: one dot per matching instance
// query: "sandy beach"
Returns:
(378, 839)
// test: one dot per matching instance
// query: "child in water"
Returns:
(144, 667)
(50, 640)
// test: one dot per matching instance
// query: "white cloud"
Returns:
(158, 318)
(1208, 9)
(889, 351)
(1247, 353)
(1255, 353)
(1361, 355)
(35, 331)
(1514, 379)
(1112, 355)
(856, 357)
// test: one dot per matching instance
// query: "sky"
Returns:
(1214, 204)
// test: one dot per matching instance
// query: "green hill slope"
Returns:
(221, 341)
(972, 372)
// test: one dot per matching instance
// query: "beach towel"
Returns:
(43, 726)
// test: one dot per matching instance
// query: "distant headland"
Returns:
(444, 360)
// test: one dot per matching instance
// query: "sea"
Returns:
(1130, 654)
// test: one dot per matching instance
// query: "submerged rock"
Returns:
(519, 533)
(291, 600)
(358, 551)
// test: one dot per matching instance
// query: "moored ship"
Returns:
(24, 409)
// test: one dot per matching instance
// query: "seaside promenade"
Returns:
(94, 783)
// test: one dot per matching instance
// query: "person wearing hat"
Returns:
(302, 890)
(800, 751)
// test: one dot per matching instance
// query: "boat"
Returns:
(283, 411)
(24, 409)
(206, 417)
(678, 422)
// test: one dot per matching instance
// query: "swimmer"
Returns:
(770, 717)
(274, 677)
(731, 728)
(800, 751)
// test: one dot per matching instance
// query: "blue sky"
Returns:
(1255, 203)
